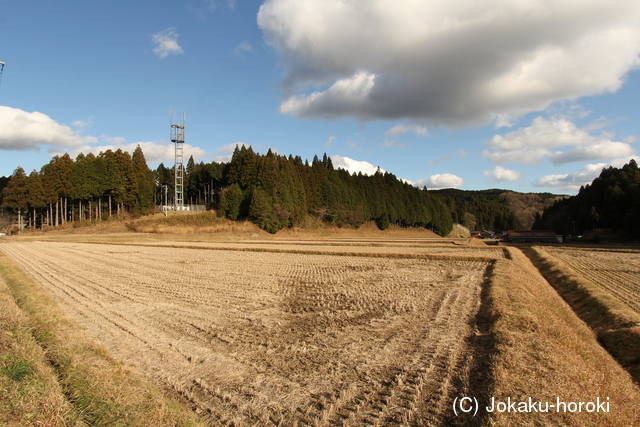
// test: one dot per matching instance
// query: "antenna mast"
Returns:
(177, 137)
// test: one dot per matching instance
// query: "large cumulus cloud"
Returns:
(32, 131)
(559, 140)
(454, 63)
(26, 131)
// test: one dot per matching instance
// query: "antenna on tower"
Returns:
(177, 137)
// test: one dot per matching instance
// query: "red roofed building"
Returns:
(533, 236)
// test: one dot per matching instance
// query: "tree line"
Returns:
(271, 190)
(611, 201)
(276, 191)
(89, 188)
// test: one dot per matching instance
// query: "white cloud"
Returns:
(329, 141)
(203, 8)
(83, 123)
(404, 128)
(597, 151)
(224, 153)
(457, 62)
(338, 101)
(440, 159)
(572, 181)
(445, 180)
(440, 180)
(392, 144)
(354, 166)
(166, 43)
(242, 49)
(499, 174)
(24, 131)
(531, 145)
(154, 152)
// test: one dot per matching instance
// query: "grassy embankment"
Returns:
(52, 374)
(542, 350)
(615, 324)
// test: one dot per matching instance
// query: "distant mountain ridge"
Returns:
(496, 209)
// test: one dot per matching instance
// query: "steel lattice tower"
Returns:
(177, 137)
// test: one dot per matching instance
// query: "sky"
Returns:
(529, 96)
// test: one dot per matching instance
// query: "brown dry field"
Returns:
(277, 336)
(616, 271)
(340, 247)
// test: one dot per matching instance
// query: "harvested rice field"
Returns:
(280, 337)
(616, 271)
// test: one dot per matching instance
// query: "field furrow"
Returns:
(265, 338)
(616, 271)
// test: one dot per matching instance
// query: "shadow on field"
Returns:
(478, 382)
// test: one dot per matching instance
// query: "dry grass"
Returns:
(194, 223)
(545, 352)
(29, 390)
(263, 338)
(289, 334)
(92, 388)
(616, 324)
(616, 271)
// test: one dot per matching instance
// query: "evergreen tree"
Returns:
(35, 195)
(56, 179)
(262, 211)
(611, 201)
(164, 182)
(143, 179)
(231, 201)
(15, 194)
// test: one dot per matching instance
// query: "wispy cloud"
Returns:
(329, 141)
(166, 43)
(203, 8)
(440, 159)
(404, 128)
(243, 49)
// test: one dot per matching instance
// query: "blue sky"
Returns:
(527, 96)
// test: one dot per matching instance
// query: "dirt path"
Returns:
(260, 338)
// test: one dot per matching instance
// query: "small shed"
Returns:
(533, 236)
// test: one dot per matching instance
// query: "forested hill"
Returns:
(277, 191)
(273, 191)
(495, 209)
(612, 201)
